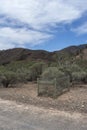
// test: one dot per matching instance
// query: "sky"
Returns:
(42, 24)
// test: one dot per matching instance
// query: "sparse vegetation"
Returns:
(22, 65)
(20, 72)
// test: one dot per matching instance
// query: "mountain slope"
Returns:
(20, 54)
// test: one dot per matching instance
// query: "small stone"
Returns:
(82, 106)
(23, 97)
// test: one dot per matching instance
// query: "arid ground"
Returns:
(75, 100)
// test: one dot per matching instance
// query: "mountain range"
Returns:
(22, 54)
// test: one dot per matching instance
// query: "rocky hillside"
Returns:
(20, 54)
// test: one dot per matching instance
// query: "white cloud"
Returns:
(20, 37)
(81, 29)
(39, 15)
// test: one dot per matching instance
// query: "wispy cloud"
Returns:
(39, 13)
(82, 29)
(30, 21)
(21, 37)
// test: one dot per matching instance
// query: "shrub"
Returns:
(51, 73)
(80, 76)
(75, 72)
(7, 78)
(11, 74)
(24, 74)
(36, 70)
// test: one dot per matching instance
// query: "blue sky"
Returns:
(42, 24)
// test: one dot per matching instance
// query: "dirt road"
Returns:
(15, 116)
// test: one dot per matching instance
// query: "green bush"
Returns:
(51, 73)
(7, 78)
(36, 70)
(17, 72)
(75, 72)
(80, 76)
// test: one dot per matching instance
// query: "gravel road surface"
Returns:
(15, 116)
